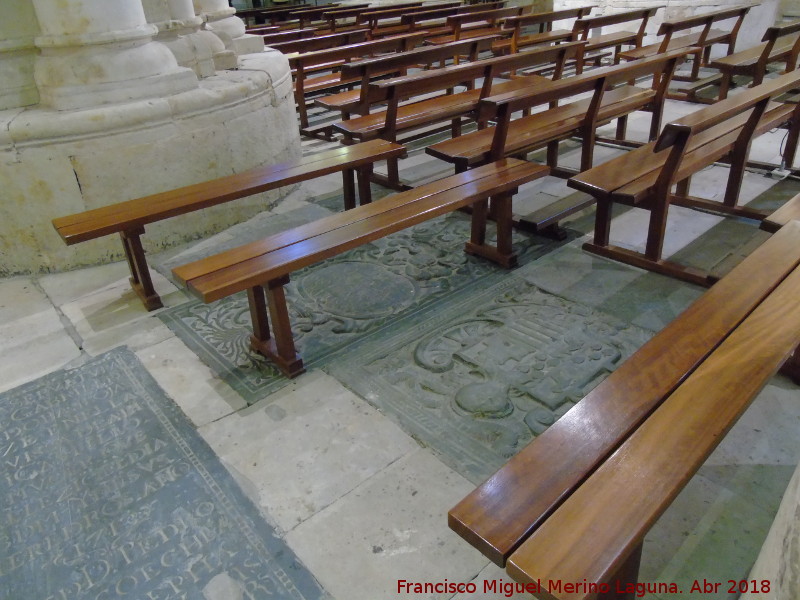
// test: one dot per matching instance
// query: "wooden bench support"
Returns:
(140, 279)
(129, 218)
(554, 513)
(279, 349)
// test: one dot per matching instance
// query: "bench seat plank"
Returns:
(715, 36)
(787, 213)
(529, 133)
(502, 512)
(659, 458)
(229, 272)
(139, 212)
(439, 108)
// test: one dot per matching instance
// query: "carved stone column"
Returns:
(96, 52)
(220, 18)
(18, 28)
(179, 28)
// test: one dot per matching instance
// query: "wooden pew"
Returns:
(702, 40)
(665, 451)
(610, 98)
(434, 20)
(644, 177)
(521, 38)
(401, 118)
(322, 42)
(518, 501)
(780, 43)
(129, 218)
(271, 261)
(272, 15)
(356, 101)
(790, 211)
(583, 28)
(475, 24)
(350, 15)
(307, 17)
(287, 36)
(324, 62)
(387, 21)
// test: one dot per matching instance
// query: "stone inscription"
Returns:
(107, 492)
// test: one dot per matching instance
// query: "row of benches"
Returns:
(722, 349)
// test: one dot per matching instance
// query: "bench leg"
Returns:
(364, 175)
(140, 279)
(348, 189)
(503, 254)
(279, 349)
(791, 368)
(622, 584)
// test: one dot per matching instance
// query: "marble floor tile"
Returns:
(20, 297)
(202, 396)
(113, 315)
(391, 528)
(34, 345)
(297, 464)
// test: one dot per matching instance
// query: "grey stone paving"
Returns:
(108, 491)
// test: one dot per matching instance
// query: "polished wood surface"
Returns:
(660, 457)
(241, 268)
(134, 213)
(580, 117)
(502, 512)
(521, 37)
(780, 43)
(787, 213)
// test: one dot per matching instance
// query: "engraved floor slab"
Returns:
(387, 284)
(498, 369)
(108, 491)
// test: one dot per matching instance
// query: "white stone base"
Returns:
(55, 163)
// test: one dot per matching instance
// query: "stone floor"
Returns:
(363, 503)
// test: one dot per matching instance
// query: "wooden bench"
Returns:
(270, 262)
(644, 177)
(401, 118)
(350, 15)
(356, 101)
(322, 42)
(272, 15)
(543, 22)
(583, 30)
(287, 36)
(610, 98)
(324, 64)
(781, 43)
(702, 40)
(388, 20)
(434, 20)
(475, 24)
(129, 218)
(553, 512)
(308, 17)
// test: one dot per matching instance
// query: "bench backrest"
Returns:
(676, 135)
(771, 36)
(350, 12)
(492, 16)
(706, 21)
(502, 106)
(367, 68)
(400, 88)
(287, 36)
(583, 27)
(411, 19)
(323, 42)
(395, 43)
(545, 20)
(373, 16)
